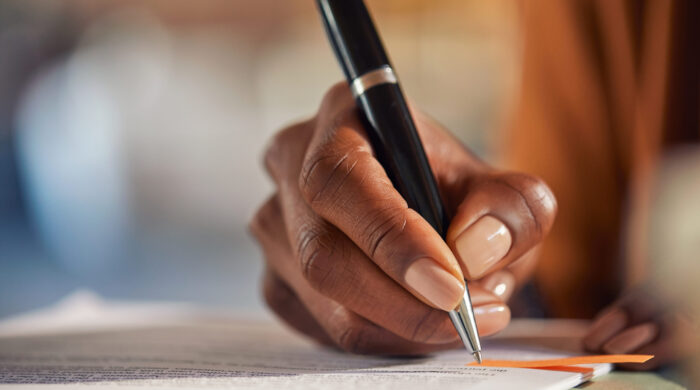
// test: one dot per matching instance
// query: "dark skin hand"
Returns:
(639, 323)
(350, 265)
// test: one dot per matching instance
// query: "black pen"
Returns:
(390, 128)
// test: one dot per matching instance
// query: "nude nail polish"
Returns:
(426, 277)
(482, 245)
(500, 283)
(491, 317)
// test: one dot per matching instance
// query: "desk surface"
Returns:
(629, 381)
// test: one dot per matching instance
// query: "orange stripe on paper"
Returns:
(594, 359)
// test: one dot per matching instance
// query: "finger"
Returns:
(641, 306)
(663, 352)
(284, 302)
(491, 314)
(664, 349)
(634, 309)
(336, 268)
(502, 216)
(505, 283)
(277, 294)
(346, 329)
(344, 184)
(457, 170)
(631, 338)
(523, 268)
(609, 323)
(355, 334)
(286, 148)
(500, 283)
(452, 163)
(676, 340)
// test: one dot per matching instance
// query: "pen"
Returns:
(390, 128)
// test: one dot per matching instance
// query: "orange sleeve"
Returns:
(574, 105)
(606, 84)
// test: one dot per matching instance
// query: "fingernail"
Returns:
(501, 284)
(491, 318)
(482, 245)
(632, 339)
(434, 283)
(604, 328)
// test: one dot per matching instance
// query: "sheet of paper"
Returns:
(92, 344)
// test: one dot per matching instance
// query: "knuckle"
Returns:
(538, 198)
(534, 189)
(383, 227)
(351, 334)
(540, 195)
(315, 249)
(316, 172)
(351, 339)
(327, 171)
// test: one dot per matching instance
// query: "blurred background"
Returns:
(131, 131)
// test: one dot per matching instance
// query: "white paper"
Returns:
(91, 344)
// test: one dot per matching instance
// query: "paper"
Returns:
(143, 346)
(583, 370)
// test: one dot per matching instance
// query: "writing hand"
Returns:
(349, 264)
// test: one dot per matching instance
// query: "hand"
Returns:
(640, 324)
(349, 264)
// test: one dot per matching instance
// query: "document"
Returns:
(86, 342)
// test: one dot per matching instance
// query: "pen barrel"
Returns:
(390, 127)
(388, 122)
(353, 36)
(398, 148)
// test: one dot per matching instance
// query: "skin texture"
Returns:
(338, 239)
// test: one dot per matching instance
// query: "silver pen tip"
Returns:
(477, 356)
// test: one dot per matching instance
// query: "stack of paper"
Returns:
(92, 343)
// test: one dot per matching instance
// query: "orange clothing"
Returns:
(607, 85)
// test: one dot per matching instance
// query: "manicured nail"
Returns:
(604, 328)
(632, 339)
(434, 283)
(482, 245)
(500, 283)
(491, 318)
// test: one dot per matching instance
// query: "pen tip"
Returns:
(477, 356)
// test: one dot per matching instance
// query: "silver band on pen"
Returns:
(383, 75)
